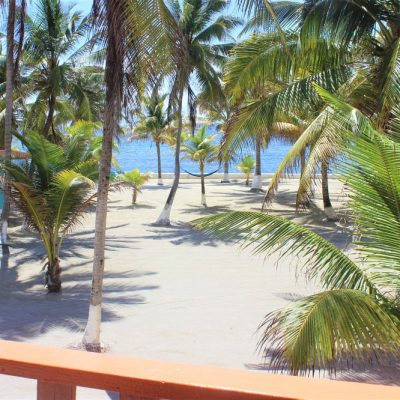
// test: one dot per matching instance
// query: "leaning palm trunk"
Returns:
(225, 178)
(8, 120)
(203, 186)
(328, 209)
(91, 338)
(160, 181)
(302, 162)
(257, 179)
(164, 218)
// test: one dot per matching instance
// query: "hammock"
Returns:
(199, 175)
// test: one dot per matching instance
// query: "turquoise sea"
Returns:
(143, 155)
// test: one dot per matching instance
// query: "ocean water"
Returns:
(143, 155)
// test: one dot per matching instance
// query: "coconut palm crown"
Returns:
(153, 123)
(200, 148)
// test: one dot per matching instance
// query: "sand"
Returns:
(170, 293)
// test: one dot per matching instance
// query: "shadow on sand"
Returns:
(26, 310)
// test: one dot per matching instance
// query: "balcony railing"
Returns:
(58, 372)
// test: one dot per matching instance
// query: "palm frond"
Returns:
(326, 329)
(268, 234)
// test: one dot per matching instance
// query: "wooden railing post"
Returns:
(55, 391)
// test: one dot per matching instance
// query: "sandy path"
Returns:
(170, 293)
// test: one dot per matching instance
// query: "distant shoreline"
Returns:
(232, 176)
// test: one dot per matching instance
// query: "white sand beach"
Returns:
(170, 293)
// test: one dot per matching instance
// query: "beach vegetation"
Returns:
(201, 148)
(247, 165)
(153, 122)
(136, 179)
(52, 193)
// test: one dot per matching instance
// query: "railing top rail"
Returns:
(173, 381)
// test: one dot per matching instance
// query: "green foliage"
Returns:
(62, 89)
(200, 25)
(200, 147)
(358, 316)
(52, 193)
(247, 166)
(134, 178)
(153, 120)
(350, 49)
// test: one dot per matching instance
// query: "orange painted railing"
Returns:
(58, 373)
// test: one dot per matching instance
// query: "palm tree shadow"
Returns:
(385, 373)
(203, 211)
(27, 311)
(177, 234)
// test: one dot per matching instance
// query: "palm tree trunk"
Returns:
(305, 203)
(225, 178)
(112, 111)
(257, 179)
(302, 161)
(328, 209)
(49, 121)
(8, 121)
(160, 181)
(247, 179)
(53, 276)
(164, 218)
(134, 195)
(203, 186)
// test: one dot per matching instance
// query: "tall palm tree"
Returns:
(131, 31)
(153, 123)
(198, 58)
(200, 148)
(52, 194)
(8, 118)
(357, 316)
(52, 51)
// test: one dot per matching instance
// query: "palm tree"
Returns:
(256, 184)
(127, 28)
(357, 44)
(246, 166)
(153, 123)
(198, 56)
(200, 148)
(136, 178)
(52, 194)
(219, 111)
(8, 118)
(357, 317)
(51, 55)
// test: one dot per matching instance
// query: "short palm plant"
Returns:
(357, 316)
(136, 179)
(200, 148)
(247, 166)
(52, 195)
(153, 123)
